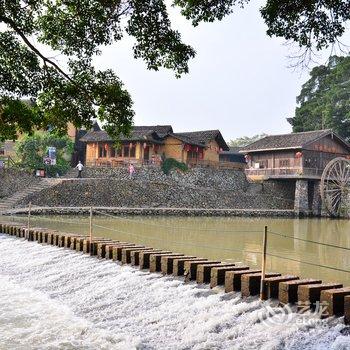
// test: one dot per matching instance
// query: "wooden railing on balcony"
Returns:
(284, 172)
(215, 164)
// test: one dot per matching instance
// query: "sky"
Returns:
(239, 82)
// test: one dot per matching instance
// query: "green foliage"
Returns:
(32, 149)
(310, 24)
(246, 140)
(171, 163)
(324, 100)
(77, 29)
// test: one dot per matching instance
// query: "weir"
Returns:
(234, 276)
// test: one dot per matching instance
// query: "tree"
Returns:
(76, 29)
(246, 140)
(324, 100)
(31, 150)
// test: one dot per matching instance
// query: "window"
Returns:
(126, 151)
(263, 164)
(192, 155)
(102, 151)
(284, 163)
(133, 151)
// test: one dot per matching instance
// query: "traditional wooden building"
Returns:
(149, 144)
(294, 164)
(295, 155)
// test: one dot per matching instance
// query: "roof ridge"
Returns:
(189, 132)
(297, 133)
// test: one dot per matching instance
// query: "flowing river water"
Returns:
(54, 298)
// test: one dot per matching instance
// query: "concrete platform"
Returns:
(144, 257)
(250, 283)
(204, 271)
(233, 279)
(311, 293)
(167, 263)
(333, 301)
(217, 274)
(288, 291)
(179, 265)
(126, 253)
(135, 255)
(155, 260)
(190, 268)
(271, 285)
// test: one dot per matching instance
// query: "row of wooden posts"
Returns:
(233, 276)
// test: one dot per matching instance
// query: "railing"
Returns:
(118, 163)
(215, 164)
(115, 163)
(284, 172)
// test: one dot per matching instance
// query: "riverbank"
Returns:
(152, 211)
(196, 192)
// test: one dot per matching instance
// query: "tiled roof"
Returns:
(152, 133)
(157, 134)
(202, 138)
(288, 141)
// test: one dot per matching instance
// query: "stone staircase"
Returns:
(10, 202)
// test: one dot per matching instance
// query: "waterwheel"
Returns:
(335, 187)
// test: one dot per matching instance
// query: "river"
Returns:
(230, 239)
(55, 298)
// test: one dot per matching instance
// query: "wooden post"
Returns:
(28, 221)
(90, 232)
(263, 265)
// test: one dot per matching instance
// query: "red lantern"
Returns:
(144, 145)
(106, 147)
(298, 155)
(130, 144)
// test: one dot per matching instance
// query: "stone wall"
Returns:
(135, 194)
(198, 177)
(14, 180)
(281, 188)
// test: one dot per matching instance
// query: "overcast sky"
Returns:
(239, 81)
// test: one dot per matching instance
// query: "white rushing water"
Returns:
(53, 298)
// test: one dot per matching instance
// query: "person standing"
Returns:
(131, 171)
(80, 167)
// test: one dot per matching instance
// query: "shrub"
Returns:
(32, 149)
(171, 163)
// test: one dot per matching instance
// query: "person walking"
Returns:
(131, 169)
(80, 167)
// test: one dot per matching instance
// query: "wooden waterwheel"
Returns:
(335, 187)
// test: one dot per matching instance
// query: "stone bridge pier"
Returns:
(307, 200)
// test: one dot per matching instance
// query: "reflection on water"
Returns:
(237, 239)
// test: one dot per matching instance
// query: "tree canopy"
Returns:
(246, 140)
(77, 29)
(324, 100)
(32, 149)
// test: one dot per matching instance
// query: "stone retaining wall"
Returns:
(134, 194)
(14, 180)
(225, 179)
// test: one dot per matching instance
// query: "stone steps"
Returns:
(10, 202)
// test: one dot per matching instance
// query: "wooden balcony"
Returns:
(284, 173)
(193, 163)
